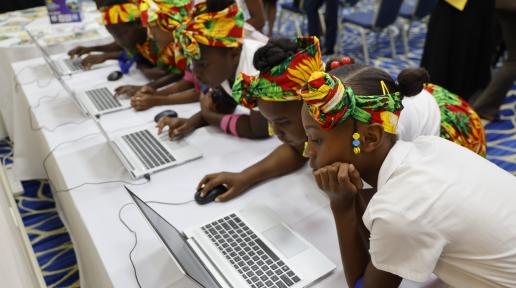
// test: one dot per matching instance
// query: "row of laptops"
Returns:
(248, 248)
(141, 151)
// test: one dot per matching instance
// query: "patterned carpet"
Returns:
(52, 243)
(47, 234)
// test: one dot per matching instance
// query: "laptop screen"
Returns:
(177, 245)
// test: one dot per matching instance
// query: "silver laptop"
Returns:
(59, 66)
(249, 248)
(142, 152)
(102, 101)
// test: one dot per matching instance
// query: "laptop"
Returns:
(142, 152)
(248, 248)
(61, 66)
(102, 101)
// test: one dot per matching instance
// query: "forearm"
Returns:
(257, 13)
(354, 254)
(281, 161)
(188, 96)
(197, 120)
(176, 87)
(111, 47)
(164, 80)
(111, 55)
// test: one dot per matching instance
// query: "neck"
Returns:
(372, 169)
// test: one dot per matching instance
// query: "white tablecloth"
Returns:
(55, 38)
(90, 212)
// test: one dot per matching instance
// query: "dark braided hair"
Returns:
(411, 81)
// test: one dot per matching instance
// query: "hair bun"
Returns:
(411, 81)
(272, 54)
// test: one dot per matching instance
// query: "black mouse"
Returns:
(115, 75)
(212, 194)
(165, 113)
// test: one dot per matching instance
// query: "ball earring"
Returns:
(356, 143)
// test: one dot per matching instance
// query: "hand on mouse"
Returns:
(129, 90)
(340, 181)
(92, 59)
(79, 51)
(236, 183)
(142, 101)
(177, 127)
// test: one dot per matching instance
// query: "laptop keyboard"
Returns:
(252, 258)
(73, 65)
(149, 150)
(103, 99)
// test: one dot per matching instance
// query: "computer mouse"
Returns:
(212, 194)
(165, 113)
(115, 75)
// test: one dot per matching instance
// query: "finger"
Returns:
(181, 130)
(214, 182)
(317, 176)
(333, 182)
(161, 124)
(204, 180)
(355, 177)
(228, 195)
(324, 179)
(344, 180)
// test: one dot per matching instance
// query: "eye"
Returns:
(283, 123)
(315, 141)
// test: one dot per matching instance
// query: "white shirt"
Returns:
(442, 209)
(245, 64)
(420, 116)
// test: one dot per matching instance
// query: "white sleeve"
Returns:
(401, 246)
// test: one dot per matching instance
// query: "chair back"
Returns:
(386, 13)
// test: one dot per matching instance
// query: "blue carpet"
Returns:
(48, 236)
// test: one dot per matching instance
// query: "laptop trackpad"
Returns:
(285, 241)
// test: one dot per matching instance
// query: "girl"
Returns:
(215, 44)
(161, 18)
(430, 212)
(433, 110)
(283, 67)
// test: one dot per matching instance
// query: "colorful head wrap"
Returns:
(224, 28)
(119, 13)
(168, 14)
(330, 102)
(284, 80)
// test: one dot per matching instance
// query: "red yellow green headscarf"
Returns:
(283, 81)
(330, 102)
(168, 14)
(119, 13)
(224, 28)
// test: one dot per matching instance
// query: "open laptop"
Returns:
(102, 101)
(61, 66)
(248, 248)
(142, 152)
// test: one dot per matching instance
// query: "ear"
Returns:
(372, 137)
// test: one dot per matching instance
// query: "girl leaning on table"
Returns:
(433, 210)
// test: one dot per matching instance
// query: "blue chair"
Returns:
(296, 11)
(381, 18)
(411, 13)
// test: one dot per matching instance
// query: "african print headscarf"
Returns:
(224, 28)
(168, 14)
(283, 81)
(119, 13)
(330, 102)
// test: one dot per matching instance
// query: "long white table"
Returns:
(90, 212)
(17, 46)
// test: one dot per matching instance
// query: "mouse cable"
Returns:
(31, 121)
(123, 181)
(136, 235)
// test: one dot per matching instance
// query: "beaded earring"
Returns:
(356, 143)
(270, 131)
(305, 150)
